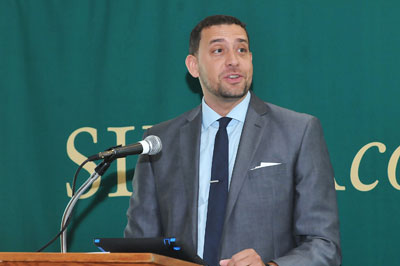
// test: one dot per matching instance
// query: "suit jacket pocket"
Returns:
(269, 184)
(269, 171)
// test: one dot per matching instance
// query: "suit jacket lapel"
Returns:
(252, 133)
(189, 155)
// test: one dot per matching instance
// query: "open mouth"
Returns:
(233, 78)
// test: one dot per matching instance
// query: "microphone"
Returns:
(150, 145)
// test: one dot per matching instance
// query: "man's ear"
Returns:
(192, 65)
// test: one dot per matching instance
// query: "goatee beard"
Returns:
(225, 93)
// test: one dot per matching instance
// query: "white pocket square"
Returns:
(265, 164)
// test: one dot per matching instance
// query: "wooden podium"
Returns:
(92, 259)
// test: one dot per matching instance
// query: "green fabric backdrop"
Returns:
(79, 76)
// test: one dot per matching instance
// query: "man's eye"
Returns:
(217, 51)
(242, 50)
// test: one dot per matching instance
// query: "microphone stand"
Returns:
(98, 171)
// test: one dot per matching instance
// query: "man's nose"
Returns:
(232, 58)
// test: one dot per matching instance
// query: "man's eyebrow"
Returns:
(222, 40)
(216, 40)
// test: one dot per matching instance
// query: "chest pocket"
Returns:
(266, 185)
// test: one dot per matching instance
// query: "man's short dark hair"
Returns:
(195, 36)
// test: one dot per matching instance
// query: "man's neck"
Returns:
(222, 106)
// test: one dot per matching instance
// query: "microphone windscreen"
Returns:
(154, 143)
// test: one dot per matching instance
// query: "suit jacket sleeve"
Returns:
(315, 214)
(143, 212)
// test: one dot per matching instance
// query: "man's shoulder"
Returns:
(288, 114)
(177, 122)
(275, 112)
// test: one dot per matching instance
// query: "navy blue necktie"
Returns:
(218, 194)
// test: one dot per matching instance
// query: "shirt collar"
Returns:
(237, 113)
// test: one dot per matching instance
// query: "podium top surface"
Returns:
(113, 259)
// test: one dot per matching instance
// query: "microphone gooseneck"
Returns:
(150, 145)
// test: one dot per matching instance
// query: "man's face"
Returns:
(224, 62)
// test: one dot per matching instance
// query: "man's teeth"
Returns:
(233, 76)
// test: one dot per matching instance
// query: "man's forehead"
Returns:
(224, 32)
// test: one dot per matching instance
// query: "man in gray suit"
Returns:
(281, 207)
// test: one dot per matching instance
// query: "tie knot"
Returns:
(224, 121)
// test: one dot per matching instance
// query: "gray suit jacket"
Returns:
(286, 212)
